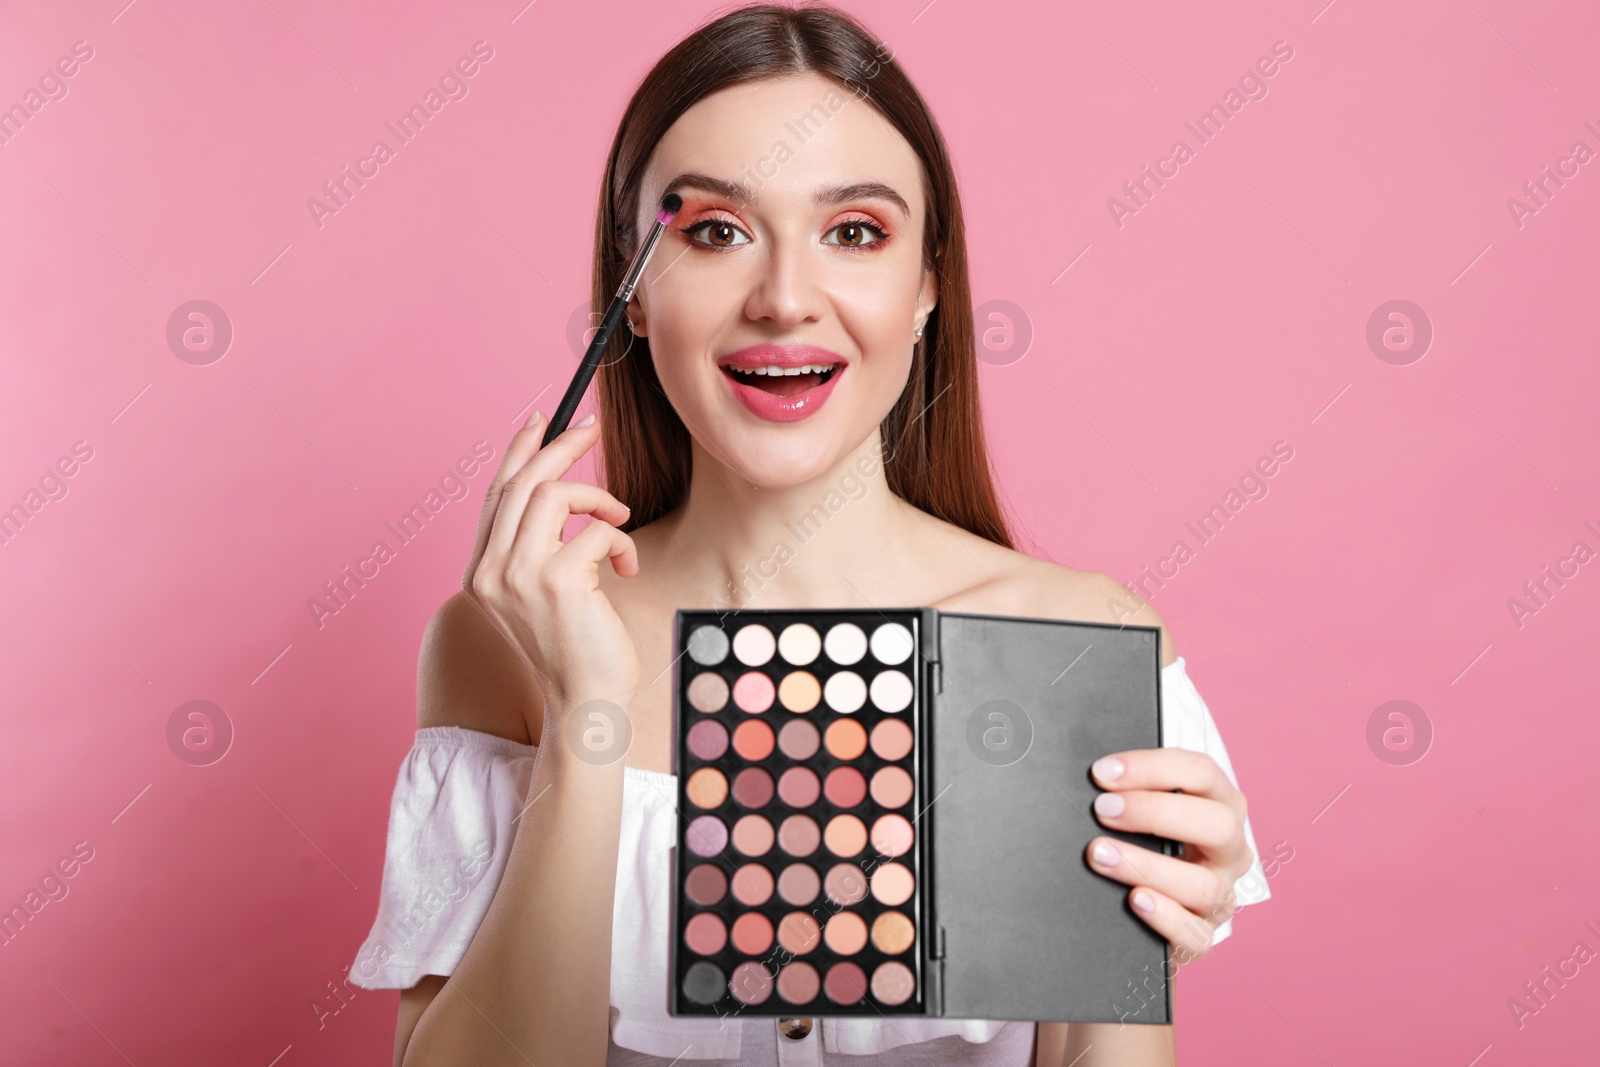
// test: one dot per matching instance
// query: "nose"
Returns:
(786, 291)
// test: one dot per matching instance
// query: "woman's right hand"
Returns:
(544, 595)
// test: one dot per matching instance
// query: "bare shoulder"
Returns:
(468, 675)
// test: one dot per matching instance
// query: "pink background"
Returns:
(1228, 313)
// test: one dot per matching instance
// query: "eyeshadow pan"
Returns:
(798, 740)
(891, 691)
(799, 933)
(704, 934)
(799, 788)
(892, 932)
(707, 739)
(752, 885)
(892, 884)
(844, 787)
(891, 739)
(707, 836)
(892, 787)
(753, 787)
(753, 645)
(707, 788)
(799, 644)
(799, 835)
(703, 983)
(752, 933)
(847, 884)
(708, 692)
(753, 740)
(708, 646)
(846, 933)
(799, 691)
(705, 884)
(799, 884)
(891, 835)
(891, 643)
(753, 692)
(751, 983)
(845, 692)
(846, 836)
(753, 835)
(893, 983)
(846, 983)
(798, 983)
(845, 643)
(846, 739)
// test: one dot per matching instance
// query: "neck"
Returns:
(741, 546)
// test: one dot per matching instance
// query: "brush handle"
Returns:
(586, 369)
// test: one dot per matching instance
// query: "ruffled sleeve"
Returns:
(1186, 722)
(452, 820)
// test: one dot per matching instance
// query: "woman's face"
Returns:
(799, 244)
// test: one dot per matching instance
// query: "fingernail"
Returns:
(1109, 804)
(1107, 768)
(534, 418)
(1144, 901)
(586, 420)
(1105, 855)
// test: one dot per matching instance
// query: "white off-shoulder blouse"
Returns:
(451, 825)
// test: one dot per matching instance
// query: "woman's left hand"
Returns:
(1189, 897)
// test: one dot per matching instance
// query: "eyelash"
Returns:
(865, 223)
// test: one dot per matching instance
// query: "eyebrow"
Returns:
(833, 194)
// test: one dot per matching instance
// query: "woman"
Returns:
(821, 230)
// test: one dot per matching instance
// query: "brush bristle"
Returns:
(669, 207)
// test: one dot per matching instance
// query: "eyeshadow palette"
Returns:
(885, 812)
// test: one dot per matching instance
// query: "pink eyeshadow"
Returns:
(754, 692)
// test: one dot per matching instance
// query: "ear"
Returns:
(635, 313)
(927, 296)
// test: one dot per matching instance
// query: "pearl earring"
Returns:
(919, 333)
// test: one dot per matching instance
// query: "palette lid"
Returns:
(1027, 930)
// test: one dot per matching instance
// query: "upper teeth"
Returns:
(809, 368)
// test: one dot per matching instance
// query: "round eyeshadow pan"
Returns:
(799, 884)
(892, 835)
(707, 739)
(844, 787)
(753, 645)
(706, 788)
(799, 835)
(847, 884)
(891, 691)
(706, 836)
(893, 983)
(705, 884)
(845, 643)
(799, 933)
(704, 934)
(891, 643)
(703, 983)
(798, 739)
(753, 740)
(846, 836)
(845, 692)
(799, 691)
(846, 983)
(798, 983)
(751, 983)
(753, 692)
(708, 646)
(753, 835)
(891, 739)
(892, 787)
(708, 692)
(752, 885)
(846, 739)
(798, 787)
(893, 933)
(799, 644)
(892, 884)
(753, 787)
(846, 933)
(752, 933)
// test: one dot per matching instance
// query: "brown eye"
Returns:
(857, 234)
(723, 234)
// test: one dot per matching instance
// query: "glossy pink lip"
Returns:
(782, 408)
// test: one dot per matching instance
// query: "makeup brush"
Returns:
(619, 304)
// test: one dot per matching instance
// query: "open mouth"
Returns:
(783, 381)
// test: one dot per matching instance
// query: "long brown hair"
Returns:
(934, 454)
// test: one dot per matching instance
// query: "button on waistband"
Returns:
(794, 1029)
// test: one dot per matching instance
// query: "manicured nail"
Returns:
(587, 419)
(533, 419)
(1108, 768)
(1144, 901)
(1109, 804)
(1105, 855)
